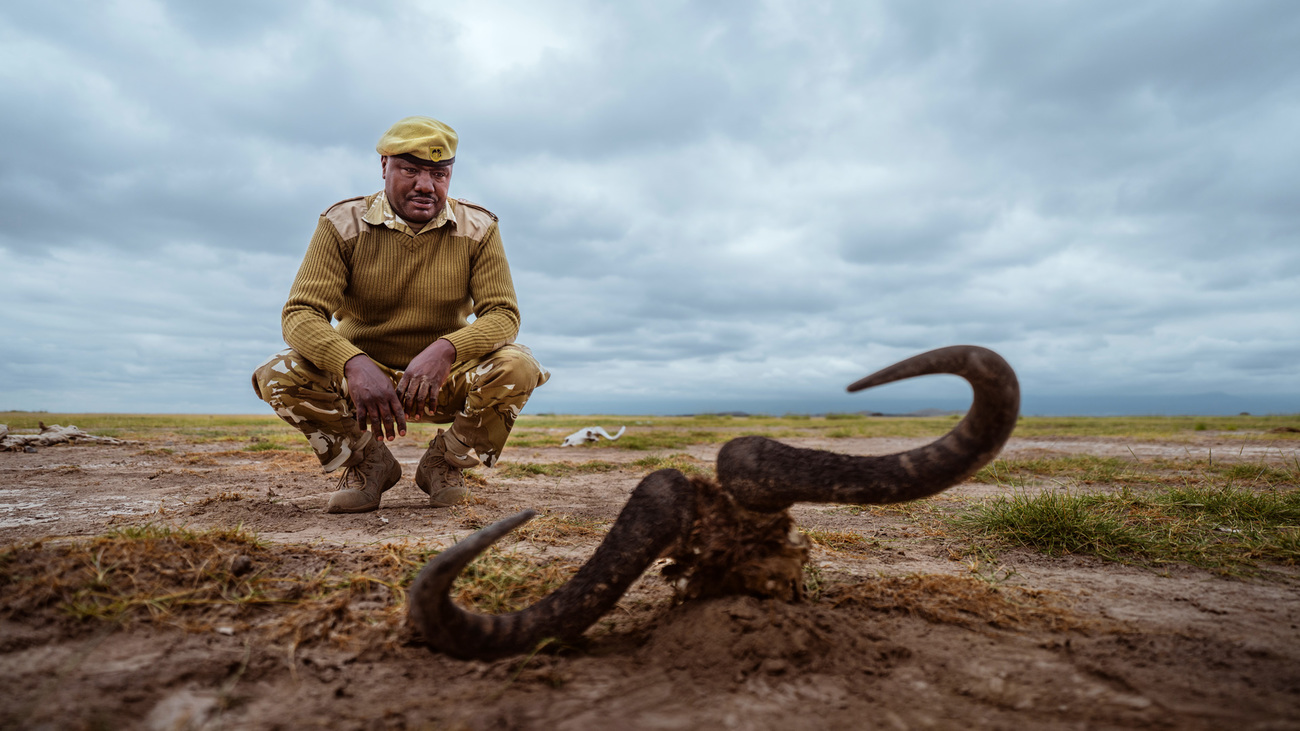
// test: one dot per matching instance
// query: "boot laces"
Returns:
(352, 478)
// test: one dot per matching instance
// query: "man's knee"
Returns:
(515, 366)
(288, 371)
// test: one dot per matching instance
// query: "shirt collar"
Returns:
(381, 213)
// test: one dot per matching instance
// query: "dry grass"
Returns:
(226, 578)
(555, 529)
(841, 541)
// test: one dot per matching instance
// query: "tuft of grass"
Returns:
(814, 583)
(560, 530)
(841, 541)
(221, 497)
(1257, 474)
(262, 447)
(1056, 523)
(1224, 528)
(684, 463)
(499, 582)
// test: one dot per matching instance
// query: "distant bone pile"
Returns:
(732, 535)
(590, 434)
(48, 437)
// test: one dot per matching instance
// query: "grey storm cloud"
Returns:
(704, 204)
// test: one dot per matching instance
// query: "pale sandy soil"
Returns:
(1172, 648)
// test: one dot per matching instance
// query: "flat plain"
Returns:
(1102, 573)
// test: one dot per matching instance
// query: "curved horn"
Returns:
(765, 475)
(658, 512)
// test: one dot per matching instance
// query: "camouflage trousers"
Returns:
(481, 398)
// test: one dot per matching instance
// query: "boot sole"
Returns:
(449, 497)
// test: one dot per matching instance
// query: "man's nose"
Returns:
(424, 182)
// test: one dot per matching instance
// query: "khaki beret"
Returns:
(423, 137)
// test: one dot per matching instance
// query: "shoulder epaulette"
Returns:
(345, 200)
(346, 216)
(462, 201)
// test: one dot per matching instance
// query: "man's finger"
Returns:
(412, 402)
(360, 409)
(403, 396)
(385, 420)
(399, 414)
(419, 395)
(373, 417)
(430, 401)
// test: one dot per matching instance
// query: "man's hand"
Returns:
(373, 397)
(424, 375)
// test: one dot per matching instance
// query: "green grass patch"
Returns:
(1090, 469)
(1257, 474)
(517, 470)
(1083, 468)
(1227, 529)
(263, 447)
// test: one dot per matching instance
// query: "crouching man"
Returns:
(401, 271)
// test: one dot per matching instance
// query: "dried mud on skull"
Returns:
(177, 583)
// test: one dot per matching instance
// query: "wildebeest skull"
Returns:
(731, 536)
(590, 434)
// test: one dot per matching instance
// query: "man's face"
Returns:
(416, 192)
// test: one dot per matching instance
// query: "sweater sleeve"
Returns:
(496, 311)
(316, 295)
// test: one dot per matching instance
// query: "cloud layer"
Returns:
(706, 205)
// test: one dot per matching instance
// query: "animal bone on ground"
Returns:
(732, 536)
(49, 436)
(590, 434)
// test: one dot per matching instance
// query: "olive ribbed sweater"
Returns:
(394, 293)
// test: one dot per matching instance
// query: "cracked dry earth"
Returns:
(1098, 645)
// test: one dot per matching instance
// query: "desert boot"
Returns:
(374, 471)
(439, 476)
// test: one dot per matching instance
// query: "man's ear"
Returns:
(383, 167)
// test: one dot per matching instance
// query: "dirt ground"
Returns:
(1099, 644)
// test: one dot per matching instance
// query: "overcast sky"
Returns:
(706, 206)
